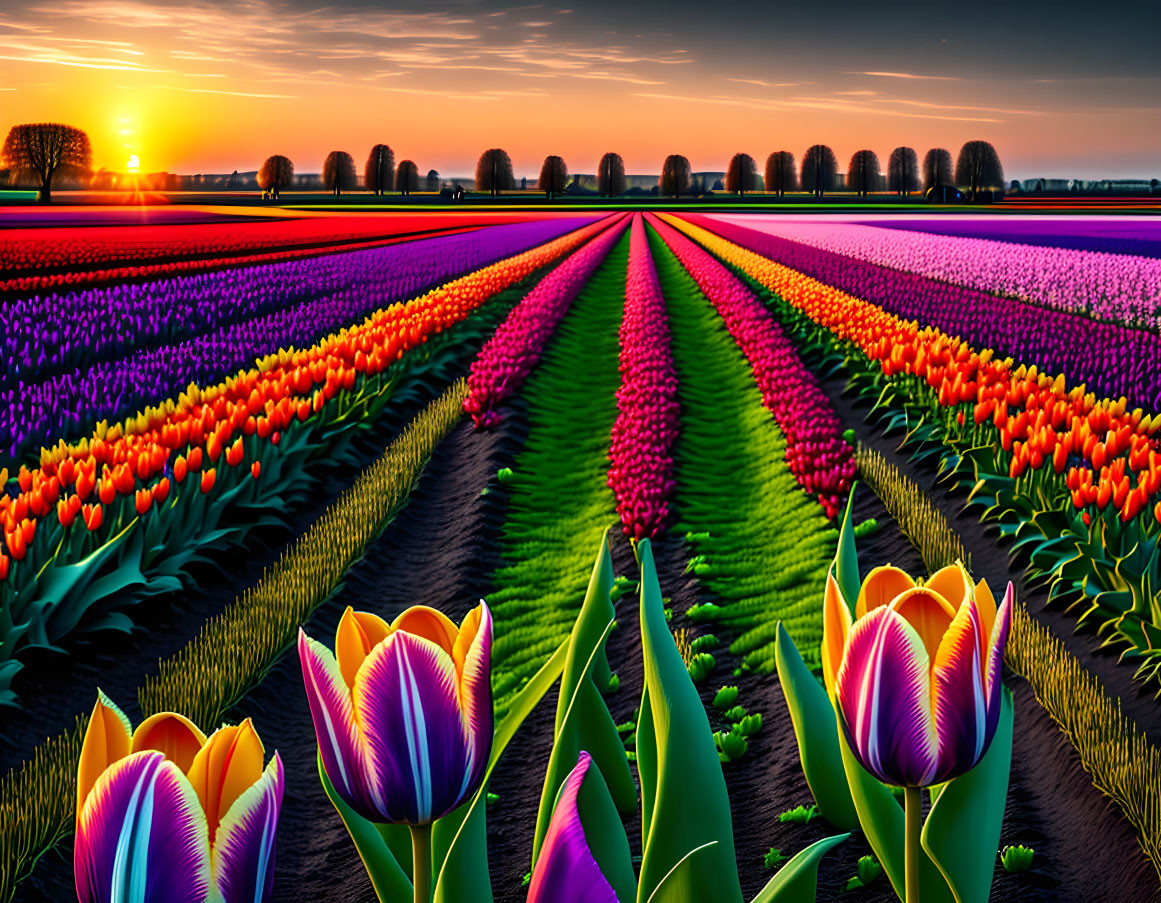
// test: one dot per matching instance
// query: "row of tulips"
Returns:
(816, 453)
(511, 354)
(640, 461)
(1040, 420)
(1103, 234)
(70, 368)
(1116, 287)
(1109, 359)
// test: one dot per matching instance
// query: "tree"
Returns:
(611, 175)
(494, 172)
(781, 175)
(978, 167)
(432, 180)
(936, 168)
(741, 174)
(675, 176)
(863, 173)
(553, 176)
(338, 172)
(379, 173)
(407, 177)
(903, 171)
(819, 168)
(276, 173)
(42, 149)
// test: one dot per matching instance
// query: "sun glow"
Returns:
(134, 163)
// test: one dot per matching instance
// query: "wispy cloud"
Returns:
(911, 75)
(762, 84)
(236, 93)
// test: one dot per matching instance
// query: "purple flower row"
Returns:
(1109, 359)
(640, 465)
(514, 349)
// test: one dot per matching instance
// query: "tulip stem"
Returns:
(421, 862)
(913, 804)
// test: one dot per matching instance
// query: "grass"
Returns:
(761, 544)
(559, 504)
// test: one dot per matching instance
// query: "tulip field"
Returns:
(595, 557)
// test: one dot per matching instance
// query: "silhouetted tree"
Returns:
(338, 173)
(494, 172)
(432, 180)
(611, 175)
(903, 171)
(781, 176)
(978, 167)
(553, 176)
(407, 177)
(819, 168)
(277, 172)
(42, 149)
(675, 176)
(741, 174)
(936, 168)
(863, 172)
(379, 173)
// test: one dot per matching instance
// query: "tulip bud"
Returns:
(234, 453)
(93, 516)
(256, 469)
(208, 477)
(65, 514)
(161, 491)
(194, 461)
(180, 468)
(106, 491)
(213, 448)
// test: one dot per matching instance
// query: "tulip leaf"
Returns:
(682, 749)
(815, 727)
(962, 833)
(462, 868)
(797, 880)
(846, 560)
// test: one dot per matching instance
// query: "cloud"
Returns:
(236, 93)
(762, 84)
(935, 78)
(612, 77)
(808, 103)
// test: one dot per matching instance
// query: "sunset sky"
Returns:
(1062, 89)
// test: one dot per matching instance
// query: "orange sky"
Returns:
(210, 87)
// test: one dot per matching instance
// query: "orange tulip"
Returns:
(143, 499)
(256, 469)
(93, 516)
(208, 477)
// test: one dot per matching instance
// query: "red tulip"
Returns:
(208, 477)
(93, 516)
(234, 453)
(256, 469)
(195, 459)
(143, 499)
(161, 491)
(180, 468)
(3, 566)
(106, 491)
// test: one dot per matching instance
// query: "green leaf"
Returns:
(797, 881)
(962, 831)
(816, 729)
(846, 560)
(462, 867)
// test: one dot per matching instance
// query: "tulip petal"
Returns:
(141, 837)
(883, 693)
(951, 582)
(107, 739)
(407, 709)
(429, 623)
(959, 700)
(228, 765)
(882, 585)
(172, 734)
(928, 613)
(566, 871)
(997, 639)
(333, 714)
(243, 854)
(359, 632)
(836, 625)
(986, 606)
(474, 663)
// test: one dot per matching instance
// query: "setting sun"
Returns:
(134, 163)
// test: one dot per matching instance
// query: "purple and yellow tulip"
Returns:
(165, 815)
(915, 677)
(403, 712)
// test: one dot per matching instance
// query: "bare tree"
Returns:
(936, 168)
(978, 167)
(379, 173)
(432, 180)
(863, 173)
(611, 175)
(903, 171)
(675, 176)
(43, 149)
(553, 176)
(819, 168)
(494, 172)
(277, 172)
(338, 172)
(741, 174)
(407, 177)
(781, 174)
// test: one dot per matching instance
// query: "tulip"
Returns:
(165, 813)
(403, 716)
(208, 477)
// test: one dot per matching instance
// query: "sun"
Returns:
(134, 163)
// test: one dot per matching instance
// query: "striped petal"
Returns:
(407, 710)
(958, 697)
(359, 632)
(225, 768)
(882, 585)
(172, 734)
(836, 625)
(243, 854)
(472, 654)
(997, 640)
(986, 606)
(566, 871)
(883, 694)
(141, 837)
(333, 714)
(429, 623)
(107, 739)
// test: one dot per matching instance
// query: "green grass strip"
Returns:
(761, 544)
(559, 504)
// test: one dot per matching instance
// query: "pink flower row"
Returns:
(816, 454)
(641, 467)
(515, 348)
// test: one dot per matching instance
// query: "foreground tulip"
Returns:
(403, 715)
(166, 815)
